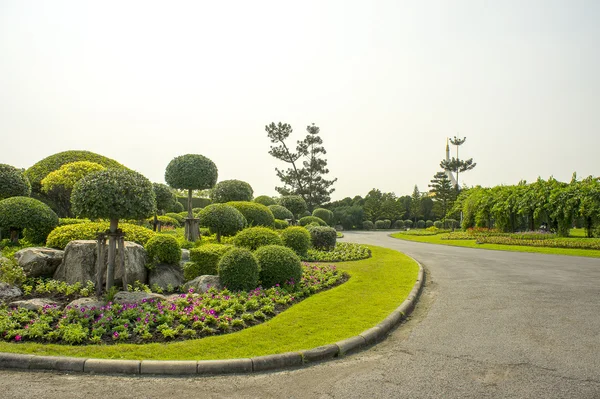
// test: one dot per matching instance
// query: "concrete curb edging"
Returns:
(220, 367)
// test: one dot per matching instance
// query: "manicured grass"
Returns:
(376, 287)
(436, 239)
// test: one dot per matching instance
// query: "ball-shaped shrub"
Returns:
(177, 207)
(380, 224)
(323, 238)
(280, 224)
(163, 249)
(278, 265)
(438, 224)
(281, 212)
(176, 216)
(62, 235)
(420, 224)
(165, 197)
(24, 213)
(113, 194)
(324, 214)
(191, 172)
(222, 219)
(37, 172)
(13, 182)
(428, 223)
(255, 237)
(311, 219)
(204, 260)
(367, 225)
(265, 200)
(231, 190)
(296, 238)
(295, 203)
(399, 224)
(255, 214)
(408, 223)
(65, 177)
(238, 270)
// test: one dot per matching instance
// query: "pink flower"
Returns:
(17, 337)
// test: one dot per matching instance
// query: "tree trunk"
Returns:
(112, 249)
(14, 236)
(190, 213)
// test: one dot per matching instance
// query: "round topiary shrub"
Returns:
(324, 214)
(420, 224)
(323, 237)
(231, 190)
(399, 224)
(162, 249)
(281, 212)
(175, 216)
(13, 182)
(222, 219)
(204, 260)
(311, 219)
(428, 223)
(255, 237)
(280, 224)
(191, 172)
(177, 207)
(30, 216)
(408, 223)
(296, 238)
(238, 270)
(387, 223)
(62, 235)
(278, 265)
(367, 225)
(438, 224)
(380, 224)
(265, 200)
(255, 214)
(294, 203)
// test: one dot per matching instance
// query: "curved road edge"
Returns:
(220, 367)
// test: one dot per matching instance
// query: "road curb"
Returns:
(220, 367)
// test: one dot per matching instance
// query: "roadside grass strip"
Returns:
(376, 287)
(438, 239)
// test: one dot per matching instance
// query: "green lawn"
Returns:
(376, 287)
(436, 239)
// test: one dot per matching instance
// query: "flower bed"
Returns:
(570, 243)
(342, 252)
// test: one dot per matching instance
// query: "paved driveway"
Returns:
(489, 324)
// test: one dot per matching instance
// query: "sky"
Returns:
(385, 81)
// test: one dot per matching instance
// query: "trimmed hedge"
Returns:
(28, 214)
(306, 220)
(255, 237)
(281, 212)
(383, 224)
(265, 200)
(162, 249)
(420, 224)
(428, 223)
(278, 265)
(323, 237)
(176, 216)
(408, 223)
(61, 236)
(239, 270)
(438, 224)
(296, 238)
(204, 260)
(13, 182)
(368, 225)
(197, 203)
(255, 214)
(231, 190)
(324, 214)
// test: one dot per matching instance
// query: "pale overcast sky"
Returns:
(386, 81)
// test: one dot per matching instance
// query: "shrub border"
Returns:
(219, 367)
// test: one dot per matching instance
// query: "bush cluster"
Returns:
(306, 220)
(13, 182)
(255, 237)
(255, 214)
(296, 238)
(204, 260)
(62, 235)
(29, 215)
(239, 270)
(278, 265)
(323, 237)
(281, 212)
(162, 249)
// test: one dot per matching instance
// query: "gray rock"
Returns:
(79, 263)
(164, 275)
(39, 261)
(87, 303)
(33, 304)
(185, 256)
(201, 284)
(8, 291)
(135, 297)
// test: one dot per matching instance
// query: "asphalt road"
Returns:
(489, 324)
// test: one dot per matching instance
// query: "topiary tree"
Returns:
(323, 237)
(113, 194)
(278, 265)
(255, 214)
(165, 200)
(265, 200)
(420, 224)
(254, 237)
(222, 220)
(281, 212)
(13, 182)
(58, 184)
(306, 220)
(238, 270)
(231, 190)
(408, 223)
(294, 203)
(367, 225)
(399, 224)
(324, 214)
(191, 172)
(428, 223)
(296, 238)
(28, 215)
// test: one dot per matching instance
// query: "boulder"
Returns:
(33, 304)
(8, 291)
(185, 256)
(87, 303)
(39, 261)
(80, 259)
(136, 297)
(201, 284)
(164, 275)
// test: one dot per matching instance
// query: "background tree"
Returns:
(191, 172)
(306, 180)
(165, 200)
(445, 194)
(415, 203)
(457, 165)
(231, 190)
(13, 182)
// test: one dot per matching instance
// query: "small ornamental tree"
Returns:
(24, 213)
(295, 203)
(165, 200)
(58, 185)
(222, 219)
(191, 172)
(231, 190)
(13, 182)
(113, 194)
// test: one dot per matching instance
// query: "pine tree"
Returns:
(445, 194)
(457, 165)
(415, 203)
